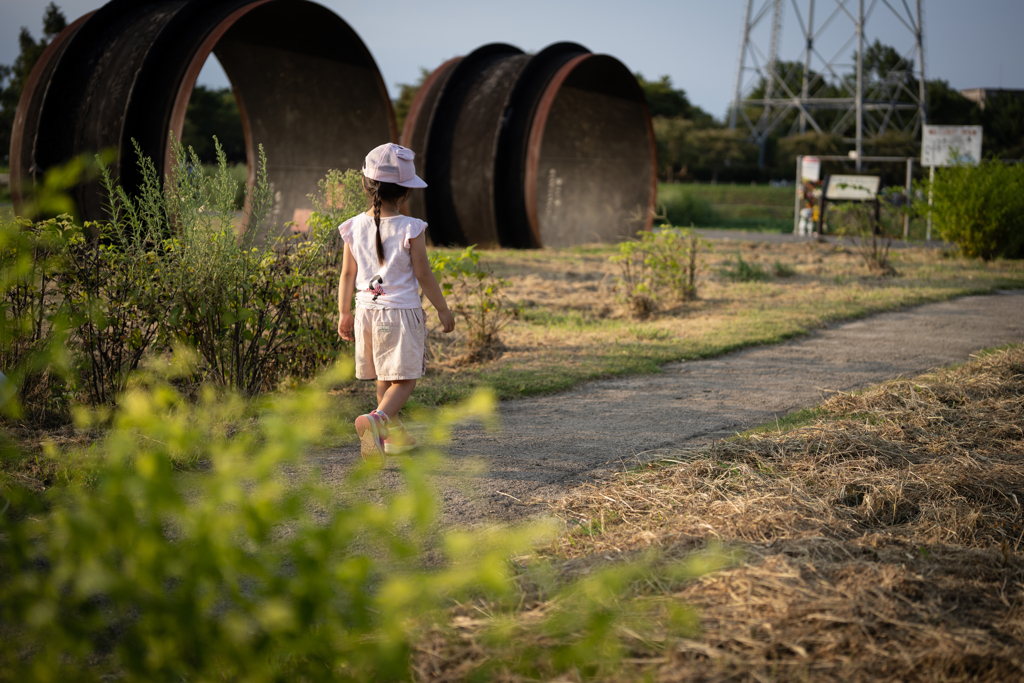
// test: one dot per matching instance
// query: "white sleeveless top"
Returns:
(392, 285)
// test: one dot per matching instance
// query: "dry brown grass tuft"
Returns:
(882, 543)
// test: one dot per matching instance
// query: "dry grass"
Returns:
(884, 542)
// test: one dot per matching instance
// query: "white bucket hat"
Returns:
(391, 163)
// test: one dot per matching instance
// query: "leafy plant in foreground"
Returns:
(251, 570)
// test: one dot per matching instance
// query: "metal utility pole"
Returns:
(860, 84)
(919, 26)
(739, 70)
(769, 88)
(808, 49)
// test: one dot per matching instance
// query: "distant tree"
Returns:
(1003, 122)
(947, 107)
(14, 76)
(809, 144)
(674, 152)
(665, 100)
(405, 98)
(893, 143)
(716, 148)
(214, 112)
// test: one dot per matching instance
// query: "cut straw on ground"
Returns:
(883, 542)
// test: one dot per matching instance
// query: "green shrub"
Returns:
(311, 331)
(674, 258)
(474, 294)
(661, 264)
(635, 281)
(30, 331)
(981, 208)
(171, 266)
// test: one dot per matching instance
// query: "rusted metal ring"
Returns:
(511, 155)
(592, 144)
(498, 121)
(26, 116)
(308, 88)
(456, 135)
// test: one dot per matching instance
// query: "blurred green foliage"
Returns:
(255, 569)
(980, 208)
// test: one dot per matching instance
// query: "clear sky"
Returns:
(696, 42)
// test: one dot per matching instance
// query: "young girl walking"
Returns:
(385, 259)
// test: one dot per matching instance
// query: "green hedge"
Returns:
(981, 208)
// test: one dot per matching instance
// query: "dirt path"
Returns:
(552, 443)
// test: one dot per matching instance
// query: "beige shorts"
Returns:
(390, 343)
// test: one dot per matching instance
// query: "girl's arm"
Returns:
(346, 285)
(425, 276)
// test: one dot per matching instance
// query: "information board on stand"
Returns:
(946, 146)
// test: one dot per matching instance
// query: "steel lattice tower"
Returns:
(826, 92)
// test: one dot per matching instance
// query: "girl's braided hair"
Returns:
(380, 192)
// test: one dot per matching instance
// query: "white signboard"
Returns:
(810, 169)
(852, 187)
(944, 145)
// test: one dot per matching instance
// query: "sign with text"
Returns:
(855, 188)
(810, 169)
(945, 145)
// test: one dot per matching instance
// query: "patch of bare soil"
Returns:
(884, 542)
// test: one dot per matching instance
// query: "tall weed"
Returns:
(743, 271)
(662, 264)
(311, 330)
(872, 227)
(476, 295)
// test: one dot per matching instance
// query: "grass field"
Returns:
(755, 208)
(573, 327)
(746, 207)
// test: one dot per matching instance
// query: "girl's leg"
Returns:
(391, 396)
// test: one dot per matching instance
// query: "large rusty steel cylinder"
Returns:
(552, 149)
(307, 88)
